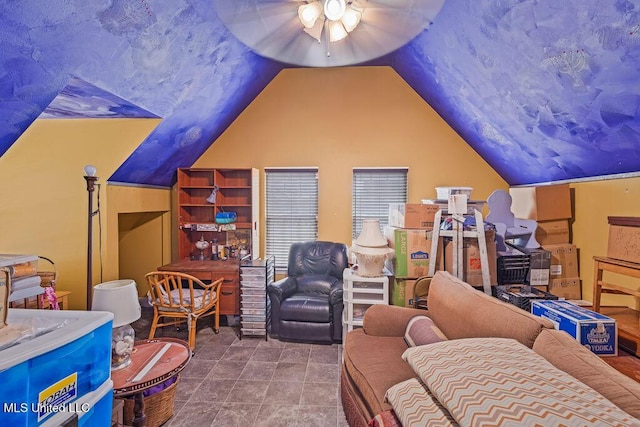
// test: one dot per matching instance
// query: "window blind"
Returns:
(372, 191)
(291, 210)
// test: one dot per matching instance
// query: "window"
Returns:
(292, 210)
(373, 190)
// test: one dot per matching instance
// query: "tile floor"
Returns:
(253, 381)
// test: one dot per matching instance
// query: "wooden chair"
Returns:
(182, 297)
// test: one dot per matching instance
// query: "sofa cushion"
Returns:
(414, 405)
(461, 311)
(374, 364)
(498, 381)
(421, 331)
(565, 353)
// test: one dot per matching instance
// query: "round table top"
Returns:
(152, 362)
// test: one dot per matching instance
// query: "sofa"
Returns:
(481, 336)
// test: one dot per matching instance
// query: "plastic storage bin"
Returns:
(520, 296)
(56, 368)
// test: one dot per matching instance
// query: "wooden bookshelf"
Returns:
(237, 191)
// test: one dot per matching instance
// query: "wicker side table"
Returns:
(152, 362)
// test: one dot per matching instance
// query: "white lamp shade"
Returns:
(371, 236)
(309, 13)
(316, 30)
(119, 297)
(351, 19)
(336, 31)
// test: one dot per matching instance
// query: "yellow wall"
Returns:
(43, 197)
(338, 119)
(594, 202)
(139, 237)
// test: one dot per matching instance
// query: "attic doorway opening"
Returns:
(140, 245)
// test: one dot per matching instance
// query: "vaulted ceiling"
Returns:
(543, 90)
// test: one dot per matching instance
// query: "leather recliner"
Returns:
(307, 304)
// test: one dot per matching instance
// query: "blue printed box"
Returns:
(597, 332)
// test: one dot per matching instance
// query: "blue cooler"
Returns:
(93, 409)
(46, 375)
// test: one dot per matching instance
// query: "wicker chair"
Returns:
(182, 297)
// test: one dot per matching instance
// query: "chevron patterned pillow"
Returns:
(415, 406)
(498, 381)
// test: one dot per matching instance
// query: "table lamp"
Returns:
(119, 297)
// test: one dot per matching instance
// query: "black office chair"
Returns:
(307, 305)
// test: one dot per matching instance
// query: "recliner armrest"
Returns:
(336, 293)
(282, 288)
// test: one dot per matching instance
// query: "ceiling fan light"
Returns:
(309, 13)
(351, 19)
(336, 31)
(316, 30)
(334, 9)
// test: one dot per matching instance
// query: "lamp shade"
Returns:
(119, 297)
(371, 236)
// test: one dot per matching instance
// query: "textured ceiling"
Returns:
(543, 90)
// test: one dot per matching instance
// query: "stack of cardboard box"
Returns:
(550, 206)
(472, 263)
(408, 235)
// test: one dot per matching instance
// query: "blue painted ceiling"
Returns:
(543, 90)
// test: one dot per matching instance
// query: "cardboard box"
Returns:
(412, 215)
(564, 261)
(402, 292)
(542, 203)
(624, 238)
(553, 232)
(412, 252)
(569, 288)
(472, 268)
(597, 332)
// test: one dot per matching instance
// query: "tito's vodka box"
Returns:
(595, 331)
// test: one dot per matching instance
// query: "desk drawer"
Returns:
(230, 299)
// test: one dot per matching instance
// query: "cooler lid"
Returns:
(79, 324)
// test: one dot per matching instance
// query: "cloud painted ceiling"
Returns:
(543, 90)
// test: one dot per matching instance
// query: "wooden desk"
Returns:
(602, 264)
(627, 333)
(209, 270)
(152, 362)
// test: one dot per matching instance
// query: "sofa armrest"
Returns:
(389, 320)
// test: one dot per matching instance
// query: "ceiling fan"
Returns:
(326, 33)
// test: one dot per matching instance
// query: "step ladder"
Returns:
(458, 233)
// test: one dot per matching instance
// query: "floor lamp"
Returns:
(91, 178)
